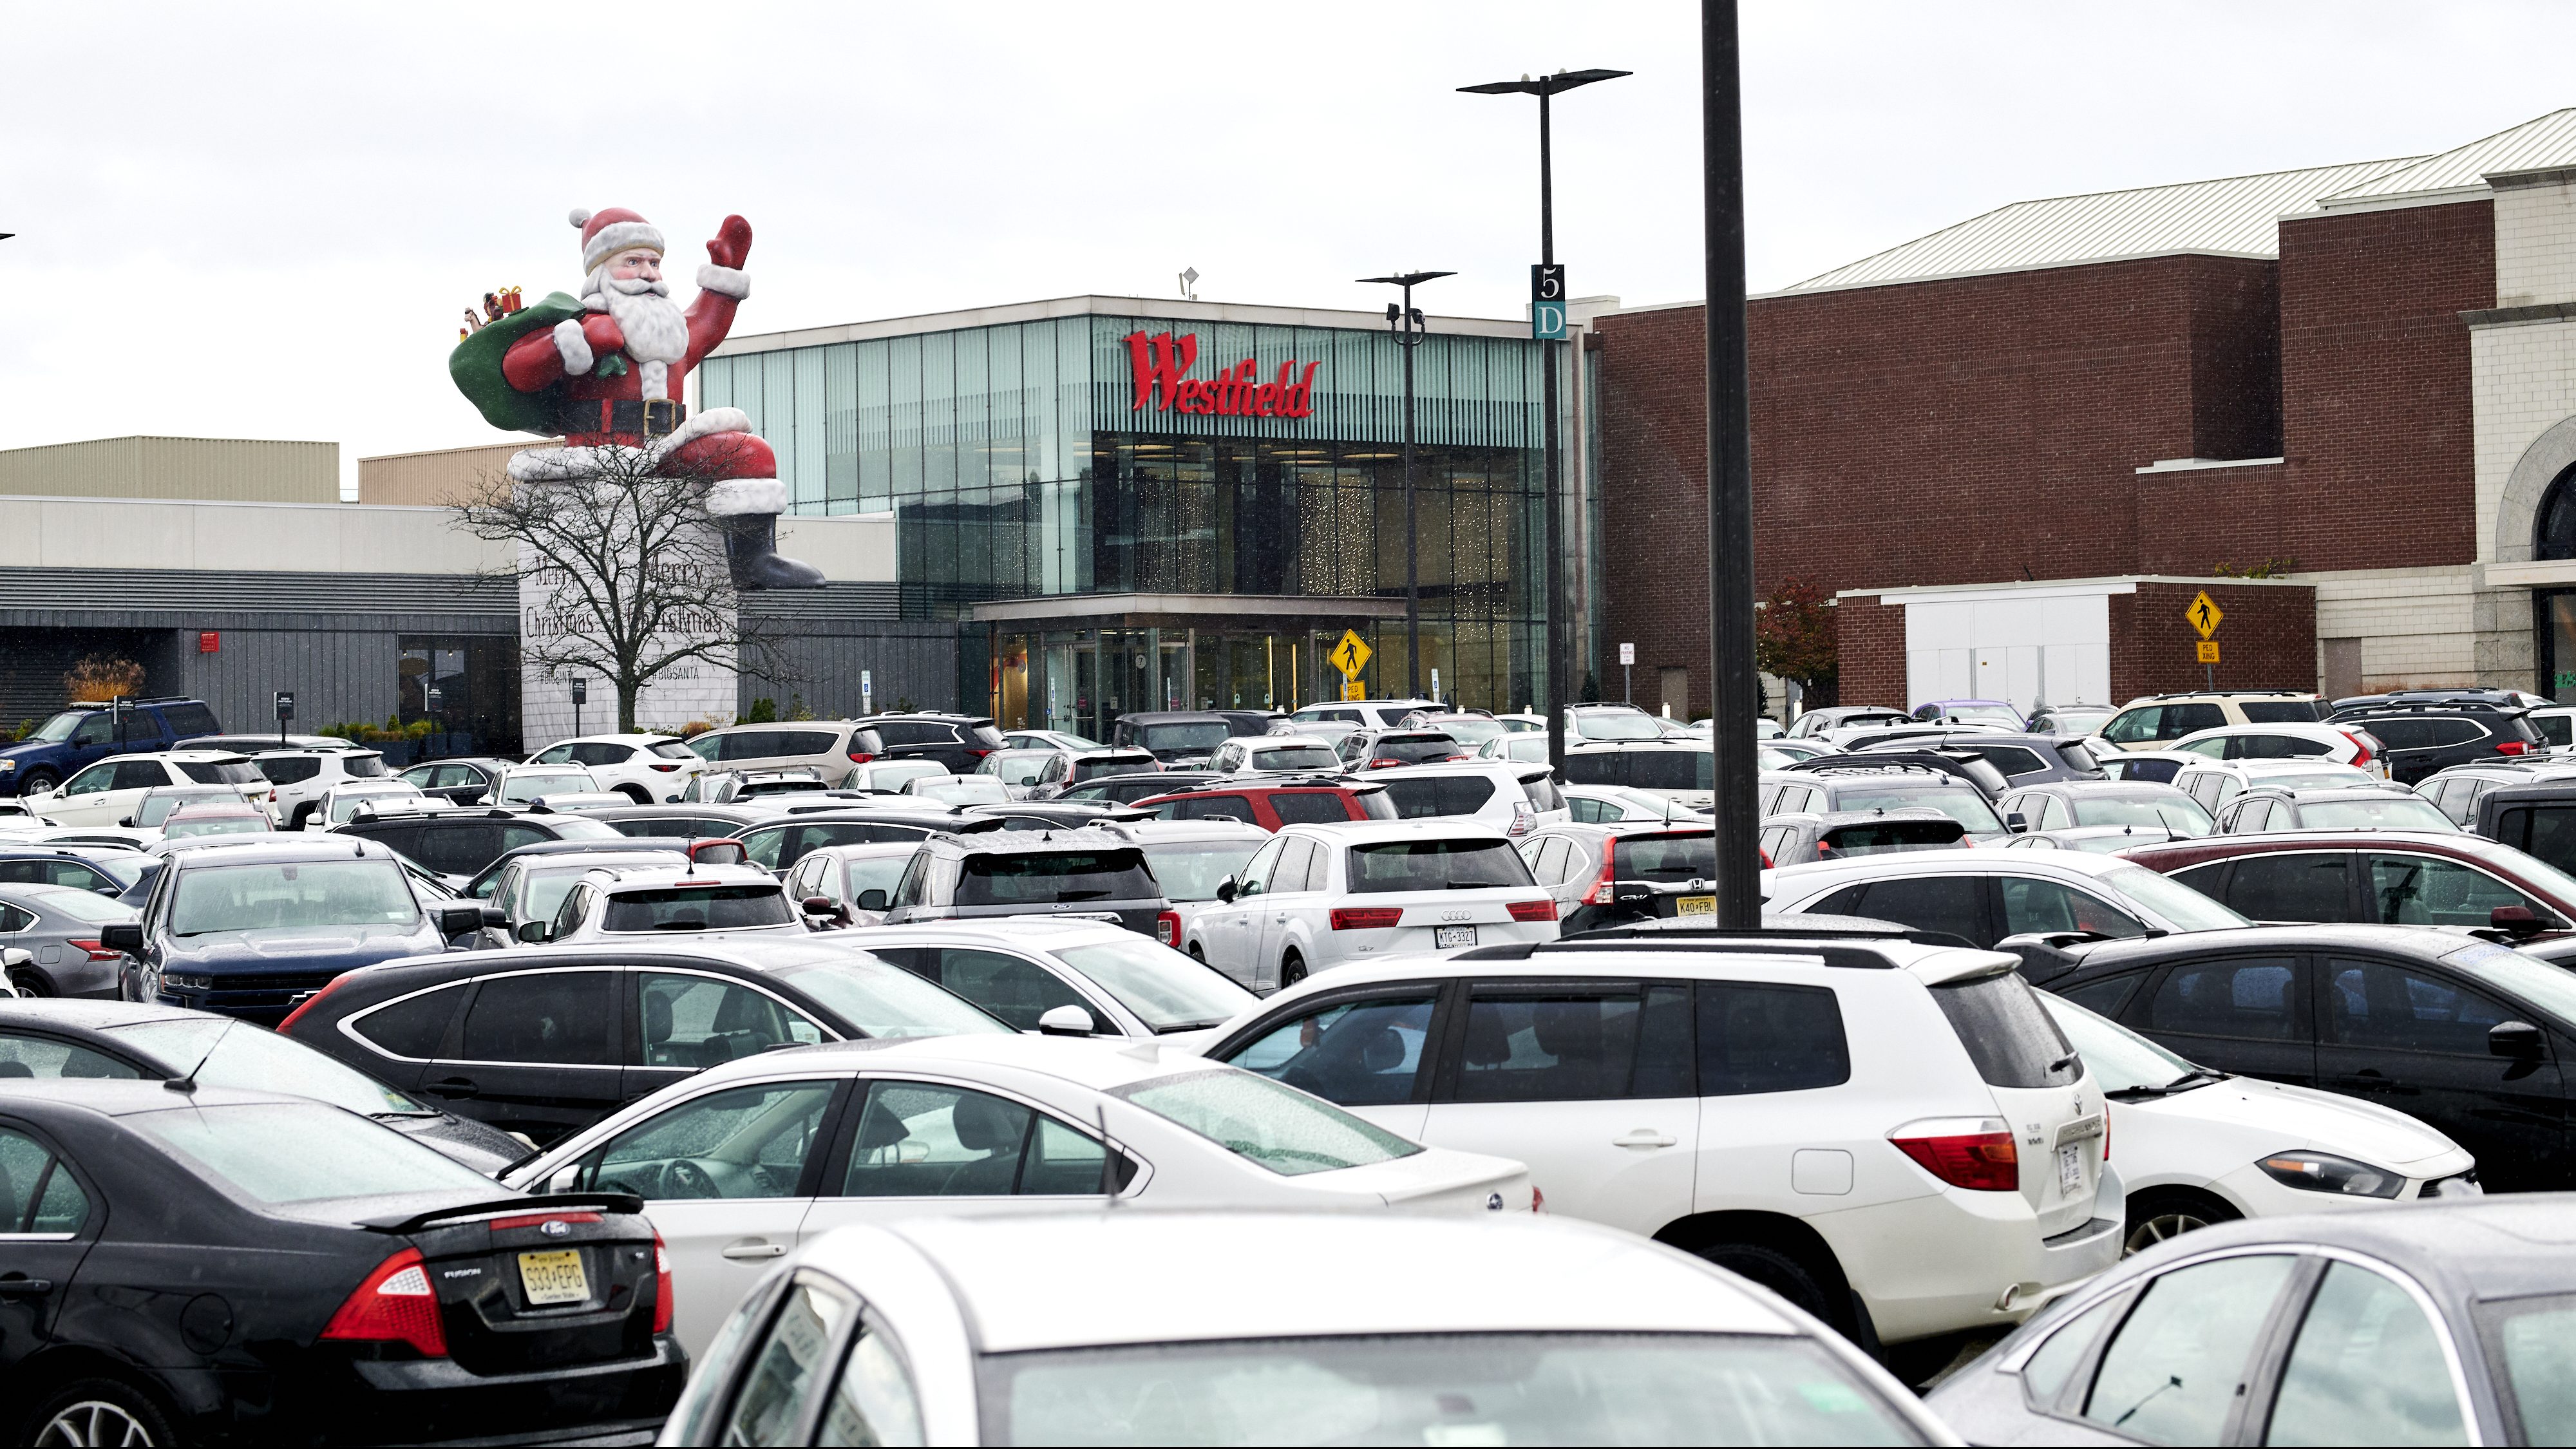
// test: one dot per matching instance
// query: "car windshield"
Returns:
(1167, 990)
(1986, 714)
(2389, 812)
(2075, 721)
(882, 1000)
(1450, 1388)
(1189, 870)
(2119, 1059)
(183, 828)
(528, 785)
(1295, 757)
(157, 807)
(57, 729)
(1414, 749)
(221, 772)
(1199, 736)
(228, 1054)
(289, 1152)
(1959, 802)
(1672, 769)
(363, 767)
(290, 895)
(2186, 908)
(1048, 877)
(672, 750)
(1616, 724)
(1267, 1124)
(2178, 813)
(1472, 732)
(1432, 865)
(698, 908)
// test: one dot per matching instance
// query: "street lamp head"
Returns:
(1546, 85)
(1409, 279)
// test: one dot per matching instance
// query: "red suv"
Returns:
(1273, 805)
(2373, 877)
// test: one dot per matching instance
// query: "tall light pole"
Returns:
(1543, 88)
(1406, 323)
(1736, 694)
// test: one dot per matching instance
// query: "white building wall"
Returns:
(2022, 646)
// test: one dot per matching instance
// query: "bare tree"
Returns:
(632, 572)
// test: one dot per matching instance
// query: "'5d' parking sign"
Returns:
(1547, 302)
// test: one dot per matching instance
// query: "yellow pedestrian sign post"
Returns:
(1351, 656)
(2204, 613)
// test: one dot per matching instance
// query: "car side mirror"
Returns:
(457, 920)
(2517, 1039)
(872, 900)
(128, 823)
(494, 916)
(819, 905)
(122, 936)
(2516, 921)
(2017, 822)
(1227, 889)
(1066, 1020)
(533, 932)
(567, 1178)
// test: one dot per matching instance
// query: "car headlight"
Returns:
(187, 981)
(7, 765)
(2325, 1172)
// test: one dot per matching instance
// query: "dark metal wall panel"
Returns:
(338, 675)
(194, 591)
(913, 662)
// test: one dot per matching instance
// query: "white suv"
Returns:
(107, 792)
(1274, 755)
(648, 769)
(665, 902)
(1893, 1136)
(1514, 799)
(1318, 896)
(297, 778)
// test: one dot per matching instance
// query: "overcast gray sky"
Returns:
(263, 220)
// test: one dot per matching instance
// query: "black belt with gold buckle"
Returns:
(652, 417)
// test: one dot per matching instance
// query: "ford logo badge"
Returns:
(555, 1228)
(1494, 1202)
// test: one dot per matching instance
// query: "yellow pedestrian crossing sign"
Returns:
(1351, 655)
(2204, 613)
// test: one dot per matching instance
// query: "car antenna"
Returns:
(188, 1083)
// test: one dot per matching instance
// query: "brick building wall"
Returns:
(2376, 417)
(2267, 639)
(1870, 637)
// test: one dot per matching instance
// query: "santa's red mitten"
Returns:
(722, 274)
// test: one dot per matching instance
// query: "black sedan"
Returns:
(2449, 1323)
(130, 1040)
(2464, 1034)
(334, 1282)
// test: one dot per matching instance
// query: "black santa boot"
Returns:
(751, 552)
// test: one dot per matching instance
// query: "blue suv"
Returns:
(252, 930)
(85, 732)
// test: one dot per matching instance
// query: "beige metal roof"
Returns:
(2534, 145)
(2235, 216)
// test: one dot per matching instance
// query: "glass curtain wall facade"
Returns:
(1020, 465)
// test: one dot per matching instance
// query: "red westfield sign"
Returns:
(1160, 360)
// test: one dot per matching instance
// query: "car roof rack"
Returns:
(2224, 693)
(1947, 762)
(1830, 942)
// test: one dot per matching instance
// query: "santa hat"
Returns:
(606, 233)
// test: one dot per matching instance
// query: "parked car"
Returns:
(1521, 747)
(487, 883)
(1047, 815)
(1061, 741)
(157, 803)
(459, 781)
(1816, 722)
(1973, 711)
(777, 845)
(1181, 739)
(343, 802)
(60, 1040)
(1879, 1130)
(337, 1274)
(2022, 759)
(826, 746)
(2460, 1033)
(1987, 897)
(1129, 787)
(252, 744)
(2457, 790)
(109, 791)
(1089, 873)
(853, 883)
(2099, 839)
(57, 926)
(1252, 721)
(2431, 1323)
(2155, 721)
(1599, 723)
(529, 884)
(688, 820)
(774, 788)
(1840, 783)
(2423, 737)
(70, 739)
(1610, 804)
(2081, 721)
(1067, 771)
(2062, 805)
(2537, 819)
(1842, 835)
(1366, 713)
(459, 842)
(1581, 1311)
(298, 778)
(2389, 877)
(103, 870)
(1684, 773)
(1066, 978)
(1514, 799)
(2214, 783)
(2555, 724)
(1191, 858)
(2339, 744)
(1271, 804)
(215, 818)
(2199, 1146)
(520, 784)
(1320, 896)
(1274, 755)
(1473, 730)
(883, 777)
(956, 742)
(1018, 770)
(646, 768)
(2155, 766)
(609, 904)
(1377, 749)
(2274, 808)
(1609, 875)
(957, 791)
(544, 1040)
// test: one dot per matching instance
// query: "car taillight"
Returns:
(272, 797)
(531, 1220)
(2361, 748)
(665, 768)
(1544, 910)
(1966, 1153)
(309, 1003)
(1382, 764)
(1366, 918)
(978, 751)
(1599, 893)
(661, 1284)
(395, 1305)
(96, 951)
(1538, 1199)
(1167, 928)
(861, 757)
(2512, 747)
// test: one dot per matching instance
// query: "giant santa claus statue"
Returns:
(604, 371)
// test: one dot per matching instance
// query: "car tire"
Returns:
(636, 793)
(96, 1411)
(1775, 1270)
(1292, 969)
(1196, 954)
(33, 983)
(36, 782)
(2156, 1216)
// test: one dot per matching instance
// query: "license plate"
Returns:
(1694, 905)
(1444, 937)
(2070, 1166)
(554, 1277)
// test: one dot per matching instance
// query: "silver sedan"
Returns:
(58, 926)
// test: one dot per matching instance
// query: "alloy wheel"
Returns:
(2160, 1227)
(92, 1422)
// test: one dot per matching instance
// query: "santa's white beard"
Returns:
(657, 332)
